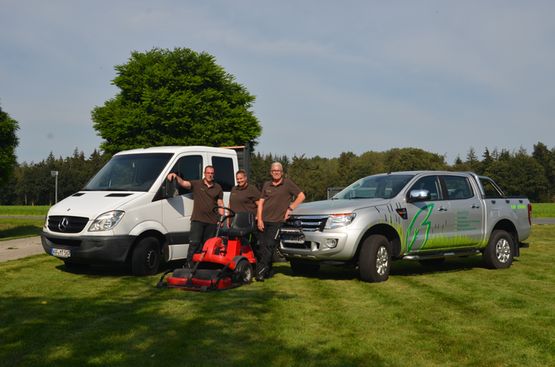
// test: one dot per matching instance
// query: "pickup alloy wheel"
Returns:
(499, 252)
(375, 259)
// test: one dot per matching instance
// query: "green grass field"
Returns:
(21, 221)
(543, 210)
(23, 209)
(457, 314)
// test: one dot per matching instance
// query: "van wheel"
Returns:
(374, 260)
(499, 251)
(146, 257)
(301, 267)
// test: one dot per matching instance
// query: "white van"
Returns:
(129, 213)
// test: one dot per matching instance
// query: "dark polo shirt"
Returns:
(243, 199)
(277, 199)
(205, 199)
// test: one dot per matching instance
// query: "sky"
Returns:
(328, 76)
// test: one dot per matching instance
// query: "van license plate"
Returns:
(60, 252)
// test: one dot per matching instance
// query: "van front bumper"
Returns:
(88, 249)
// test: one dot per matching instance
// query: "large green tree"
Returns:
(175, 97)
(8, 143)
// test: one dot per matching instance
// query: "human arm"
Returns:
(259, 220)
(300, 198)
(181, 182)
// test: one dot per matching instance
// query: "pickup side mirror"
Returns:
(419, 195)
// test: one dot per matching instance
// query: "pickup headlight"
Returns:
(339, 220)
(106, 221)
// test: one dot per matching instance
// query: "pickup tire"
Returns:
(499, 252)
(374, 261)
(145, 259)
(303, 267)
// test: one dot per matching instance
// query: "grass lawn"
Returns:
(24, 209)
(543, 210)
(11, 228)
(457, 314)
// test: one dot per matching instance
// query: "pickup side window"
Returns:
(430, 183)
(491, 191)
(188, 168)
(224, 175)
(458, 187)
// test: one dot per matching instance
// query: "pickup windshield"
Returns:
(373, 187)
(129, 172)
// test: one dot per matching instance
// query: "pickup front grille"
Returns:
(63, 224)
(308, 223)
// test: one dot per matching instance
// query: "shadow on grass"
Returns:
(398, 268)
(155, 327)
(20, 231)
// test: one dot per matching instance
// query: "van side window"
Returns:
(224, 174)
(429, 183)
(458, 187)
(188, 168)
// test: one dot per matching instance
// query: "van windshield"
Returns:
(129, 172)
(372, 187)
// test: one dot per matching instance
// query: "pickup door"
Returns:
(451, 218)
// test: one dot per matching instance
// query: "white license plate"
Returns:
(60, 252)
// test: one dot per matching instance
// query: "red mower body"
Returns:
(226, 261)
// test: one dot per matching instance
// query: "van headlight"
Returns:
(106, 221)
(339, 220)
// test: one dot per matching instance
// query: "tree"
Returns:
(546, 158)
(409, 159)
(8, 143)
(177, 97)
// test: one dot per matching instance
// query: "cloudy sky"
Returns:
(328, 76)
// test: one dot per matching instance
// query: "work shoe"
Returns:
(260, 272)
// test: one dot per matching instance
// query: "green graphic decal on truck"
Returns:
(413, 231)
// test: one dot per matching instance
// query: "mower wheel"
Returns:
(145, 259)
(243, 272)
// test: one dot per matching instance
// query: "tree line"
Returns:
(517, 172)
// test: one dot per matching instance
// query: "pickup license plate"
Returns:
(60, 252)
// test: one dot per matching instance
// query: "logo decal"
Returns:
(64, 223)
(414, 230)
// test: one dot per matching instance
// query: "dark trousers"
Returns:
(268, 242)
(200, 232)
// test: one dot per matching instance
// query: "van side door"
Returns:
(177, 210)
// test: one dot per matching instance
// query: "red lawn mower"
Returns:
(226, 260)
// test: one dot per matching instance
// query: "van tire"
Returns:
(374, 261)
(146, 256)
(500, 250)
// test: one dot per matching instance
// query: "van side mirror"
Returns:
(170, 189)
(419, 195)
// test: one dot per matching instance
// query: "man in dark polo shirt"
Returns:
(274, 207)
(207, 194)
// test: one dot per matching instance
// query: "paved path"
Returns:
(19, 248)
(23, 247)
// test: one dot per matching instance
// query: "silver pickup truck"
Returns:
(417, 215)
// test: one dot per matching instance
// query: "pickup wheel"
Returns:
(499, 251)
(374, 260)
(301, 267)
(145, 259)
